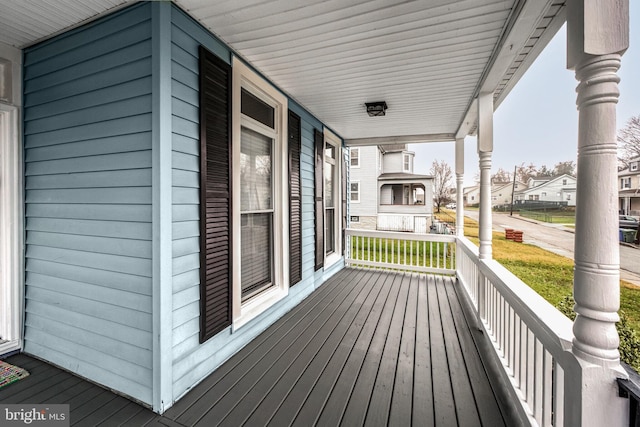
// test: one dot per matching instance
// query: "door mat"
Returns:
(10, 374)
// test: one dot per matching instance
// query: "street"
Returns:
(560, 240)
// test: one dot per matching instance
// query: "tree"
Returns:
(544, 171)
(568, 167)
(442, 183)
(525, 172)
(501, 176)
(629, 140)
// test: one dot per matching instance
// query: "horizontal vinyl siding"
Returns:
(192, 360)
(367, 174)
(87, 111)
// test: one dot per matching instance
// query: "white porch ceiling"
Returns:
(428, 59)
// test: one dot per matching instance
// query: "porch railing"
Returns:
(531, 338)
(426, 253)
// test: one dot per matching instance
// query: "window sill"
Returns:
(331, 259)
(257, 306)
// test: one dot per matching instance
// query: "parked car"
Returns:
(628, 222)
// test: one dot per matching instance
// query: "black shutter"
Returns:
(319, 186)
(344, 202)
(295, 201)
(215, 195)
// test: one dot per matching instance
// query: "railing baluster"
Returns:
(537, 411)
(547, 392)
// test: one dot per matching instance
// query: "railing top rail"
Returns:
(426, 237)
(549, 325)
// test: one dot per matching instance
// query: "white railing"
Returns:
(531, 338)
(427, 253)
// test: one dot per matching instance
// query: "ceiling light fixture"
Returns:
(376, 108)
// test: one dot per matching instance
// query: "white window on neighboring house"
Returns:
(625, 183)
(544, 194)
(355, 192)
(355, 157)
(406, 166)
(568, 196)
(634, 166)
(564, 182)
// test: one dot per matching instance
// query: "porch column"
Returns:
(597, 35)
(459, 187)
(485, 148)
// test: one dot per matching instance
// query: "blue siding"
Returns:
(192, 360)
(87, 111)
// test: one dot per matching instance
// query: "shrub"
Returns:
(629, 340)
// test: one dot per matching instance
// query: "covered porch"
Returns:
(354, 350)
(370, 347)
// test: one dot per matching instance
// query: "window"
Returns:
(544, 194)
(516, 185)
(564, 182)
(355, 218)
(260, 213)
(355, 191)
(568, 196)
(332, 198)
(634, 166)
(355, 157)
(625, 183)
(406, 162)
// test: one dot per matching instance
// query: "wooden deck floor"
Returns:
(366, 348)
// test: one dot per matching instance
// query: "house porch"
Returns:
(368, 347)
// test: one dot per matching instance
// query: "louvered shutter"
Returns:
(295, 201)
(319, 189)
(215, 195)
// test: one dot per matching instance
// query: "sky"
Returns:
(538, 121)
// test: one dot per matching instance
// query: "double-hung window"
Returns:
(355, 157)
(260, 222)
(332, 198)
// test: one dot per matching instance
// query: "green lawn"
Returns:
(549, 274)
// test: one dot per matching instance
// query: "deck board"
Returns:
(367, 347)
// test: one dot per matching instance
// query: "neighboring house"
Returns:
(471, 195)
(629, 188)
(501, 192)
(561, 188)
(385, 194)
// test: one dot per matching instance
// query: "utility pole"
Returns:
(513, 189)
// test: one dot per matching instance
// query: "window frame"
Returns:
(246, 78)
(333, 257)
(357, 192)
(357, 157)
(406, 160)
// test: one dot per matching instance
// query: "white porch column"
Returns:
(459, 187)
(485, 148)
(597, 35)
